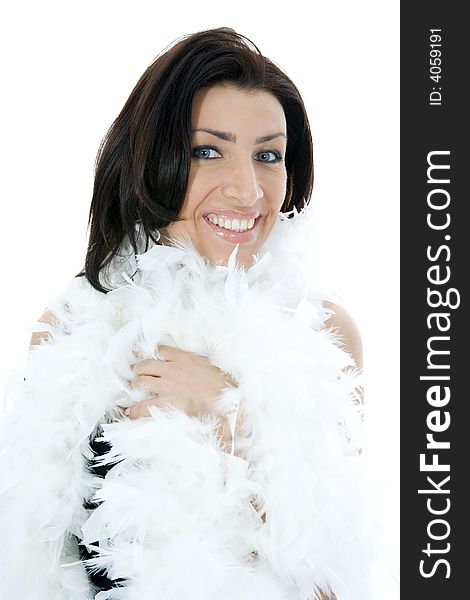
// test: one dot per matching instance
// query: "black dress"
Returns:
(99, 580)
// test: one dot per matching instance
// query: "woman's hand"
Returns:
(182, 379)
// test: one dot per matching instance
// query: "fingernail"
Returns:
(127, 412)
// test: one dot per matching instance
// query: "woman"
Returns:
(194, 355)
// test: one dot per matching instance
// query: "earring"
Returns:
(157, 235)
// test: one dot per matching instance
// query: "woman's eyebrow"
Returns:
(271, 136)
(231, 137)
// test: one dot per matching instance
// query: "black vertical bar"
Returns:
(435, 260)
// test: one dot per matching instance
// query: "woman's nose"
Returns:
(241, 183)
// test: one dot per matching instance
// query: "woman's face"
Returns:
(237, 179)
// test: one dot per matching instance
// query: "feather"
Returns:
(283, 512)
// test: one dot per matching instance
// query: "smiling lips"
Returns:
(233, 226)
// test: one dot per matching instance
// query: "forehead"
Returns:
(225, 106)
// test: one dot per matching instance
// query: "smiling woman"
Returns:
(237, 179)
(188, 423)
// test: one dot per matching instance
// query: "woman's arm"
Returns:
(323, 596)
(344, 325)
(38, 336)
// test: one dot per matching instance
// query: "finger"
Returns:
(136, 352)
(149, 366)
(141, 409)
(168, 353)
(171, 354)
(147, 383)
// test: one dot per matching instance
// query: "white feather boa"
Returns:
(180, 516)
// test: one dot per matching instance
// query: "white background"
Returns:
(68, 68)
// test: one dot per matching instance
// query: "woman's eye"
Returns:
(205, 152)
(269, 156)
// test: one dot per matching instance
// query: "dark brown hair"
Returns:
(142, 165)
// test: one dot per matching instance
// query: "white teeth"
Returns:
(232, 224)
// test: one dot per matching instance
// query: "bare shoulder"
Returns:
(342, 324)
(47, 317)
